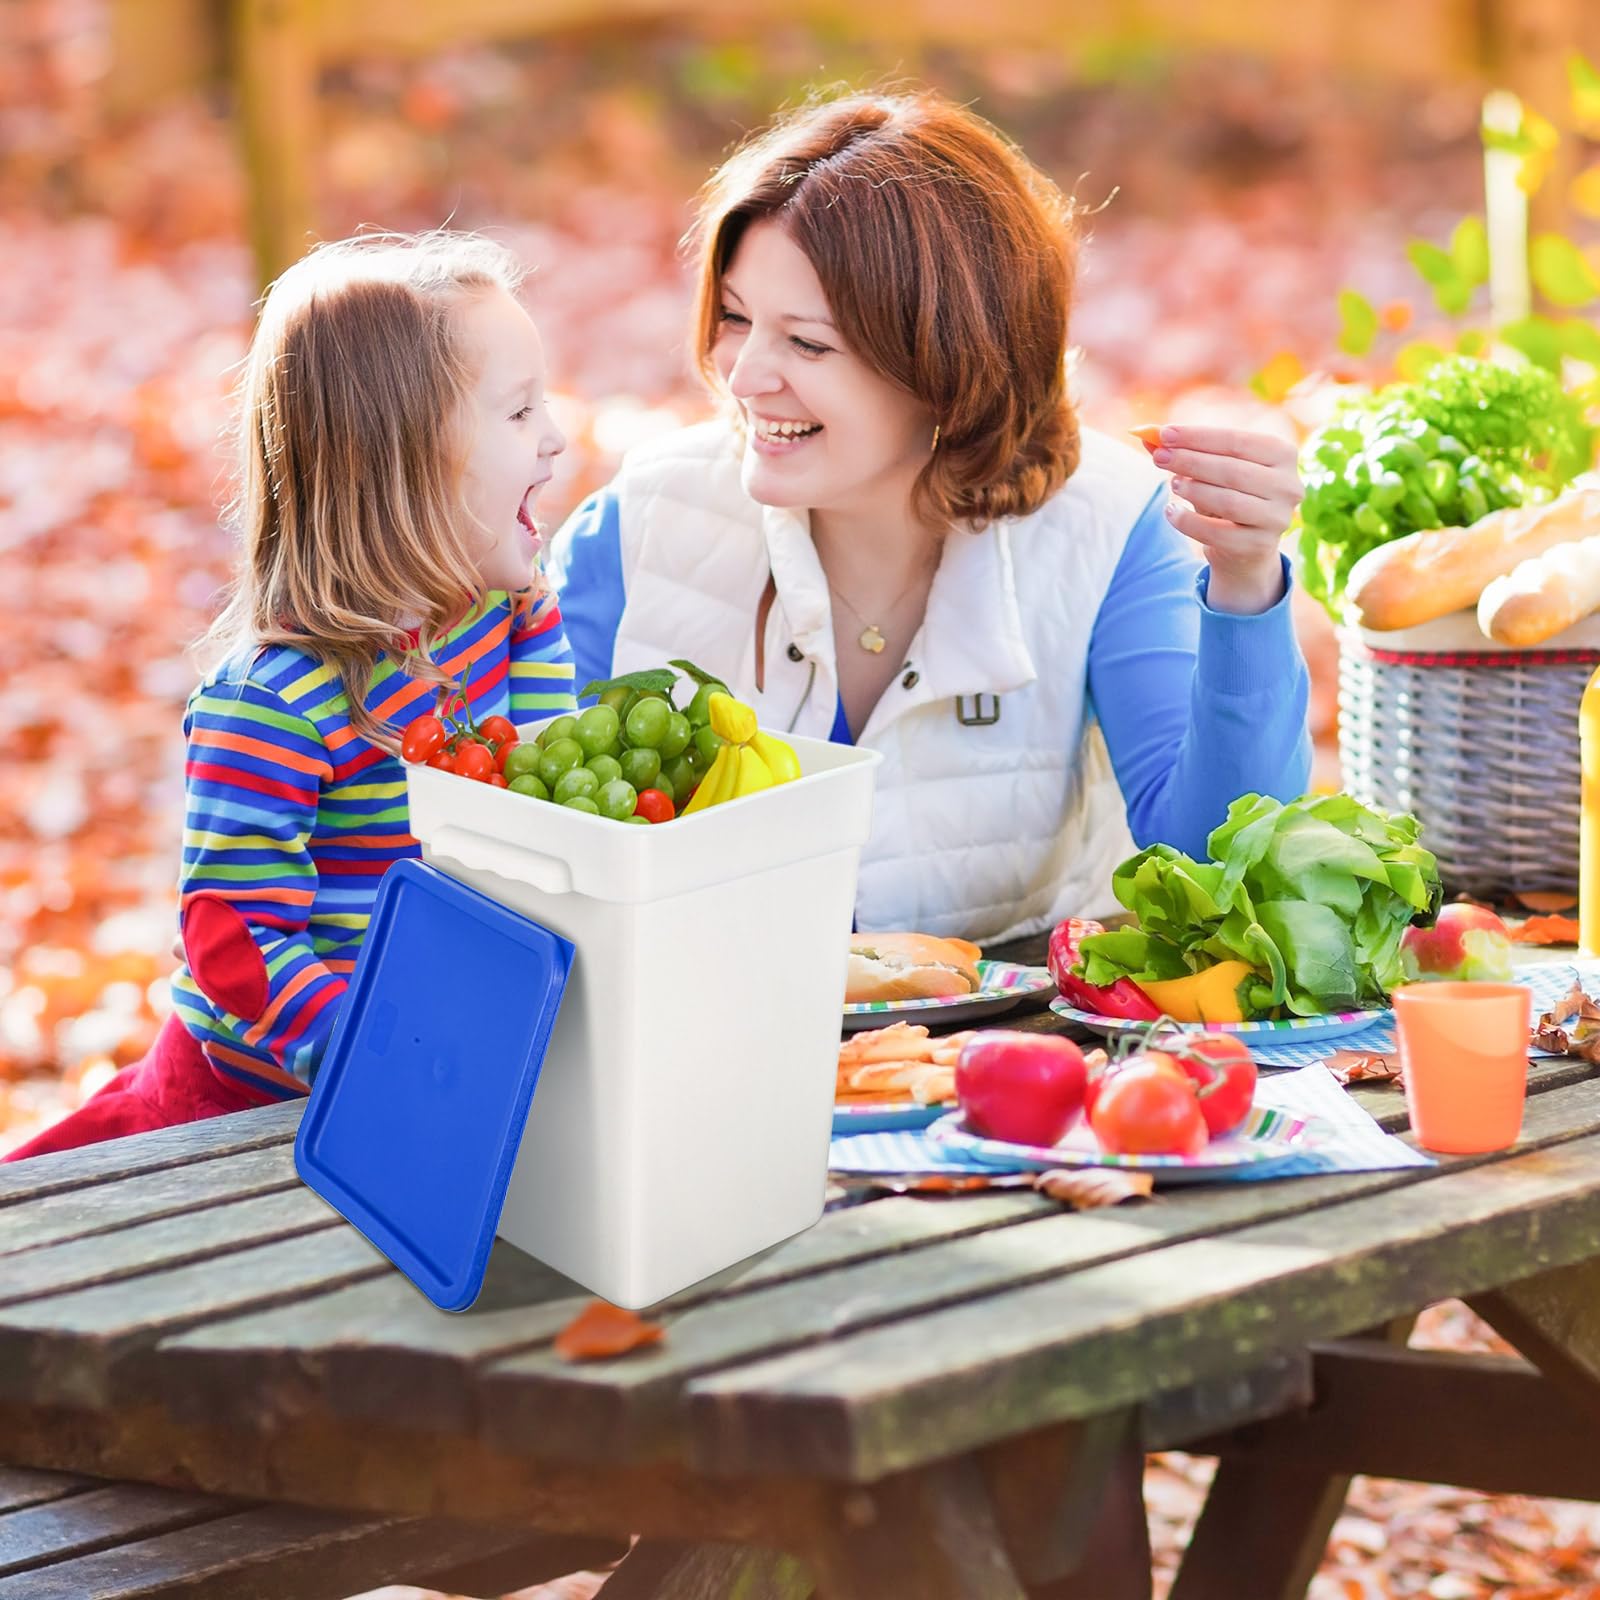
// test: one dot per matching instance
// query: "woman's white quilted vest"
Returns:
(987, 831)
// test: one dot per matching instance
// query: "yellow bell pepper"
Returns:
(1209, 996)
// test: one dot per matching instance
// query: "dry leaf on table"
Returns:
(1571, 1027)
(1089, 1188)
(1548, 929)
(1362, 1066)
(602, 1330)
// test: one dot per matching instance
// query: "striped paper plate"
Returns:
(1286, 1030)
(1268, 1138)
(888, 1116)
(1002, 985)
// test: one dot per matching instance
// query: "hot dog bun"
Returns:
(909, 966)
(1544, 596)
(1430, 574)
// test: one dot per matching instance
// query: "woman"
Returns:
(898, 535)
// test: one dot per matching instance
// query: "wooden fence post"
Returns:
(275, 75)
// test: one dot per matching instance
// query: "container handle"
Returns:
(478, 852)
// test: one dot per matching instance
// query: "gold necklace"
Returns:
(871, 638)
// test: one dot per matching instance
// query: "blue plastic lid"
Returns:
(417, 1113)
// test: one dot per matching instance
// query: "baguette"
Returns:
(909, 966)
(1440, 570)
(1544, 596)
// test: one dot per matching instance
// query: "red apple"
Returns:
(1025, 1088)
(1468, 944)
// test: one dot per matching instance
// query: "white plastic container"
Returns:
(682, 1117)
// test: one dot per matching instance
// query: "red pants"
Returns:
(173, 1083)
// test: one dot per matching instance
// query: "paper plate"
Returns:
(1286, 1030)
(1267, 1139)
(888, 1117)
(1003, 985)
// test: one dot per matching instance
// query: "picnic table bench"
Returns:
(917, 1397)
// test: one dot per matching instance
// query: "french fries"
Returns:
(898, 1063)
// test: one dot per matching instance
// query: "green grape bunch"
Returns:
(1467, 438)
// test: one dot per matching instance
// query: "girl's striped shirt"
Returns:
(292, 818)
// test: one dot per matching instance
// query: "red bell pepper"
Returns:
(1124, 998)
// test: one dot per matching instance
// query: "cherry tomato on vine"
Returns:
(474, 761)
(500, 729)
(1146, 1109)
(423, 740)
(1223, 1074)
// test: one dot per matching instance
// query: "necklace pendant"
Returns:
(871, 639)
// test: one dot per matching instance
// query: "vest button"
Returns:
(796, 653)
(911, 680)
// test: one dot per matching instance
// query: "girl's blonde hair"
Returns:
(350, 457)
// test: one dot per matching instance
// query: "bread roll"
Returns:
(1430, 574)
(909, 966)
(1544, 596)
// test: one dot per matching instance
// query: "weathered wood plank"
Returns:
(147, 1152)
(354, 1350)
(311, 1459)
(106, 1258)
(81, 1348)
(536, 1559)
(1174, 1419)
(1554, 1320)
(954, 1379)
(634, 1407)
(932, 1534)
(121, 1202)
(360, 1346)
(25, 1486)
(1491, 1423)
(1281, 1552)
(35, 1535)
(672, 1569)
(1276, 1546)
(290, 1553)
(1048, 1490)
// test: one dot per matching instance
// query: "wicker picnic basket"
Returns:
(1478, 741)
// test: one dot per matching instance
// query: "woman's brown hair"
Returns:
(947, 260)
(348, 500)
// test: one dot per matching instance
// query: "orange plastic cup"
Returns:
(1464, 1057)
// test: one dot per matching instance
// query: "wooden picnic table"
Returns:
(917, 1397)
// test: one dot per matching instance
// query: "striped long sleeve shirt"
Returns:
(292, 818)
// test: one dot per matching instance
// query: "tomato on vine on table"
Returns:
(424, 739)
(1145, 1107)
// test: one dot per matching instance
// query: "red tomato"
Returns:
(1223, 1074)
(501, 754)
(1146, 1109)
(1025, 1088)
(497, 780)
(654, 806)
(499, 729)
(445, 761)
(474, 761)
(424, 739)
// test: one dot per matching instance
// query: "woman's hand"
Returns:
(1242, 489)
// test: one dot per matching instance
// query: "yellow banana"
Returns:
(782, 760)
(733, 719)
(717, 785)
(747, 763)
(754, 773)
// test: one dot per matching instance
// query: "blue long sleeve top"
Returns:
(1197, 706)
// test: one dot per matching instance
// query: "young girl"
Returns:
(394, 441)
